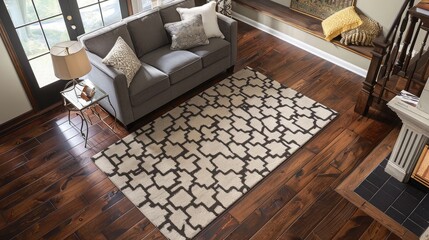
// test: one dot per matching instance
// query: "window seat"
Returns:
(300, 21)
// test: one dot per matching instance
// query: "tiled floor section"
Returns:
(408, 204)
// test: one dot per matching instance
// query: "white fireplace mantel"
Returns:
(413, 137)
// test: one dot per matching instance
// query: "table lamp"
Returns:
(70, 62)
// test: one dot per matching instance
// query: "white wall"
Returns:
(13, 99)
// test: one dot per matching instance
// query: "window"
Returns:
(98, 13)
(145, 5)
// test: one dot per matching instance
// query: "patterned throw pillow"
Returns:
(187, 33)
(362, 35)
(208, 13)
(339, 22)
(122, 58)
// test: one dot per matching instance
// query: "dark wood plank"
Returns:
(225, 222)
(304, 225)
(82, 216)
(261, 193)
(92, 229)
(333, 222)
(24, 200)
(263, 214)
(20, 149)
(375, 231)
(30, 172)
(138, 231)
(155, 235)
(122, 224)
(45, 225)
(31, 218)
(355, 226)
(297, 206)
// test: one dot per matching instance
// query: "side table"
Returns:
(74, 103)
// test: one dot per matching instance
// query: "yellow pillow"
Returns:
(339, 22)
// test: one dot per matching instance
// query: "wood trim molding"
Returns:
(25, 118)
(347, 187)
(23, 79)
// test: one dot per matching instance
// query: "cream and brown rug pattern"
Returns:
(188, 166)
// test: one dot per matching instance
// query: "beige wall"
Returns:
(13, 100)
(384, 11)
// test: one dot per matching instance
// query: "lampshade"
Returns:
(70, 60)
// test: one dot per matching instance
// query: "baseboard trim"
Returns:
(24, 119)
(304, 46)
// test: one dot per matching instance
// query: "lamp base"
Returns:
(73, 82)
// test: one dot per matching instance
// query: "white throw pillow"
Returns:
(208, 12)
(122, 58)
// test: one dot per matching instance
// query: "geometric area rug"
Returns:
(188, 166)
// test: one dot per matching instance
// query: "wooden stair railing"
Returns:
(400, 60)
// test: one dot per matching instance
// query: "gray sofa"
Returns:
(165, 74)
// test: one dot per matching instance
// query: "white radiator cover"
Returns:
(411, 140)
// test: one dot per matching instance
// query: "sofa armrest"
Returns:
(228, 27)
(115, 85)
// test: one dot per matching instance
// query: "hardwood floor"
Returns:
(50, 188)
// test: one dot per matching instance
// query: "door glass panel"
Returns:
(111, 12)
(32, 40)
(55, 30)
(21, 11)
(84, 3)
(91, 18)
(44, 26)
(43, 70)
(47, 8)
(99, 14)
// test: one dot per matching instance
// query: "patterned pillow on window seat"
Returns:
(362, 35)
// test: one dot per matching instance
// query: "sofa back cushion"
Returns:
(101, 41)
(147, 32)
(169, 13)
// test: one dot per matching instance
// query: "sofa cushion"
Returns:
(178, 64)
(147, 32)
(147, 83)
(101, 41)
(169, 13)
(187, 33)
(215, 51)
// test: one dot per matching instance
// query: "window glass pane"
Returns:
(55, 30)
(20, 11)
(91, 18)
(43, 70)
(47, 8)
(32, 40)
(84, 3)
(111, 12)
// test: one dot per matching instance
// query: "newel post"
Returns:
(365, 95)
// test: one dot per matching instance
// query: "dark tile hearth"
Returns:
(406, 203)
